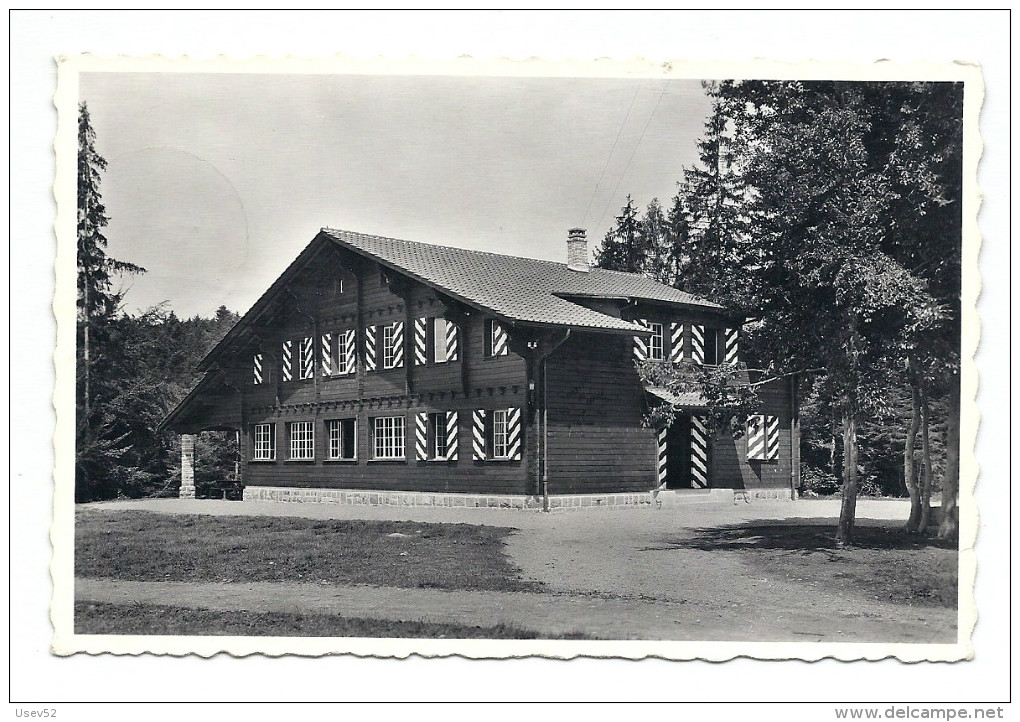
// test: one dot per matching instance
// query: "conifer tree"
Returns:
(624, 247)
(97, 300)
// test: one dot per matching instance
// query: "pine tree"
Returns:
(716, 249)
(624, 246)
(97, 302)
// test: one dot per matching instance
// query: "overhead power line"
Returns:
(632, 154)
(611, 151)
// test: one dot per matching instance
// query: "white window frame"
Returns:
(500, 434)
(388, 438)
(301, 440)
(712, 337)
(335, 440)
(439, 340)
(340, 360)
(264, 442)
(656, 342)
(389, 348)
(437, 430)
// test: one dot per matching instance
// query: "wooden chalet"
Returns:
(383, 365)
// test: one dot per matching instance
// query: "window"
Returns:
(439, 340)
(500, 437)
(762, 437)
(302, 440)
(265, 442)
(711, 346)
(345, 355)
(388, 437)
(393, 345)
(495, 341)
(438, 449)
(655, 344)
(257, 369)
(341, 434)
(338, 287)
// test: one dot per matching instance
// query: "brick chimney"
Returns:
(577, 250)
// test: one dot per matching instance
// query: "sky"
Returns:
(216, 182)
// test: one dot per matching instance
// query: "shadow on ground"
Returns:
(798, 534)
(885, 563)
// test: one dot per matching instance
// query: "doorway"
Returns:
(678, 454)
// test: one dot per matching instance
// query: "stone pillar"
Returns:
(187, 466)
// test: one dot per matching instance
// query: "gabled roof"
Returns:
(517, 289)
(511, 288)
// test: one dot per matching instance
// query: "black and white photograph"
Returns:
(483, 356)
(490, 362)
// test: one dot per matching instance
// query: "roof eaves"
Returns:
(245, 322)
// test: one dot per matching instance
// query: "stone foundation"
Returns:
(433, 499)
(677, 497)
(557, 503)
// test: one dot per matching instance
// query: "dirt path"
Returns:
(612, 574)
(545, 613)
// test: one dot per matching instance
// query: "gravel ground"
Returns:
(618, 573)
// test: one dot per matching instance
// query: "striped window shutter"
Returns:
(478, 434)
(350, 347)
(661, 456)
(676, 342)
(698, 343)
(699, 452)
(257, 368)
(307, 367)
(397, 359)
(421, 436)
(641, 342)
(370, 348)
(420, 325)
(452, 432)
(499, 347)
(762, 437)
(327, 354)
(513, 433)
(452, 341)
(285, 367)
(732, 336)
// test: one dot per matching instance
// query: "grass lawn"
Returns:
(103, 618)
(146, 546)
(886, 564)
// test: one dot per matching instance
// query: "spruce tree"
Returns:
(97, 304)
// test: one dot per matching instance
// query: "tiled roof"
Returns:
(515, 288)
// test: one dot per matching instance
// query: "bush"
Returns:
(818, 481)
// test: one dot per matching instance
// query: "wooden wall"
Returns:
(730, 467)
(471, 382)
(596, 401)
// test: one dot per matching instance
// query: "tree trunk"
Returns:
(848, 508)
(834, 449)
(86, 405)
(909, 472)
(949, 527)
(926, 453)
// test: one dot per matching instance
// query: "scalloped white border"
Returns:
(65, 642)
